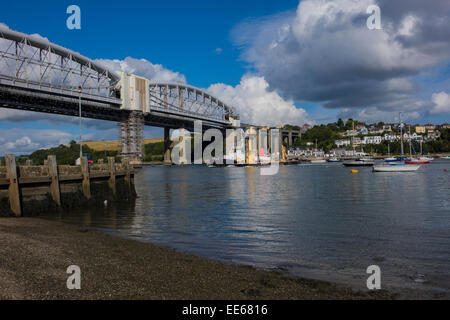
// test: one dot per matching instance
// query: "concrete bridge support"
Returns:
(251, 146)
(263, 142)
(275, 143)
(131, 131)
(167, 147)
(230, 145)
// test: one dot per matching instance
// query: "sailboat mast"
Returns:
(353, 137)
(401, 134)
(410, 143)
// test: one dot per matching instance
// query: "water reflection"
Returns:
(318, 221)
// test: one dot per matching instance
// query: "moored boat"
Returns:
(416, 161)
(317, 161)
(396, 168)
(358, 163)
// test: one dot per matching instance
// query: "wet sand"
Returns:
(35, 254)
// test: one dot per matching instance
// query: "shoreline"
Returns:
(35, 254)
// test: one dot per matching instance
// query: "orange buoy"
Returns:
(354, 171)
(446, 170)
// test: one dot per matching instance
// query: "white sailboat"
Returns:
(398, 166)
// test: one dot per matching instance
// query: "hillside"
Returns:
(115, 145)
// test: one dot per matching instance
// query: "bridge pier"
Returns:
(167, 145)
(131, 130)
(251, 146)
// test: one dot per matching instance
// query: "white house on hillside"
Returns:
(372, 140)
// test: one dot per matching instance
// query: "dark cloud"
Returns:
(326, 53)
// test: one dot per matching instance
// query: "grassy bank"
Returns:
(35, 254)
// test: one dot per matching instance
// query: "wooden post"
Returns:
(85, 172)
(126, 164)
(112, 175)
(14, 193)
(53, 173)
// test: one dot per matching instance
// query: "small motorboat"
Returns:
(358, 163)
(391, 159)
(334, 160)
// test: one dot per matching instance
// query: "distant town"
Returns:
(354, 138)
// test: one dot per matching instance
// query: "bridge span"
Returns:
(37, 75)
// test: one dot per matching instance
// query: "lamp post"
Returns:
(79, 109)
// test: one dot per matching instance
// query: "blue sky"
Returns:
(259, 55)
(182, 36)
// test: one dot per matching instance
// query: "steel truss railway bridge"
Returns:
(37, 75)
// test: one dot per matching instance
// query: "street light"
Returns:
(79, 109)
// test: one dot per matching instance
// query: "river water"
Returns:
(315, 221)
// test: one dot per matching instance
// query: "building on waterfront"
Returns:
(357, 141)
(337, 152)
(421, 130)
(342, 143)
(372, 140)
(387, 128)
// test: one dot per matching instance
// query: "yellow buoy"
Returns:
(354, 171)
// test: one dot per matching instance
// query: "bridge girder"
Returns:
(37, 70)
(37, 75)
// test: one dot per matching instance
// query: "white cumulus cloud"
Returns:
(257, 104)
(441, 102)
(24, 141)
(144, 68)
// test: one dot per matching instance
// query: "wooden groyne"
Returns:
(27, 190)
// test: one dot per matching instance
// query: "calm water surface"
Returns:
(317, 221)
